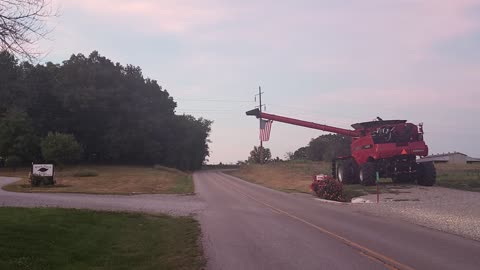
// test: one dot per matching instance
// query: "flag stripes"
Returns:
(265, 127)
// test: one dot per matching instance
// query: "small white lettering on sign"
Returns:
(42, 169)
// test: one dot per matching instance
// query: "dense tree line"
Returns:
(114, 112)
(323, 148)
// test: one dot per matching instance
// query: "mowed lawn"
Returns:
(77, 239)
(108, 180)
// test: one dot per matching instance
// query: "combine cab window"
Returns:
(396, 134)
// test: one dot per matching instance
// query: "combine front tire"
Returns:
(367, 174)
(426, 174)
(347, 172)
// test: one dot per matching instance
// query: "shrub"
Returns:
(329, 189)
(13, 162)
(86, 173)
(61, 148)
(41, 180)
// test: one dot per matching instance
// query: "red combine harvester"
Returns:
(386, 147)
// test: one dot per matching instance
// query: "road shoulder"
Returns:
(444, 209)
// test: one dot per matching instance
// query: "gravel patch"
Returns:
(175, 205)
(449, 210)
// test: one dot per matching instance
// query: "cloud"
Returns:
(395, 99)
(153, 16)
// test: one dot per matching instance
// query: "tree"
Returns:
(329, 146)
(324, 148)
(17, 136)
(259, 155)
(13, 162)
(288, 155)
(22, 25)
(61, 148)
(115, 113)
(301, 153)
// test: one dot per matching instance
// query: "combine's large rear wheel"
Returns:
(426, 174)
(347, 172)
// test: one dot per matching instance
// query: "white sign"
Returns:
(321, 177)
(42, 169)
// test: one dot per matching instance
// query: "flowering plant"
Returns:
(328, 188)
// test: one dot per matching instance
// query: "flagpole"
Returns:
(260, 108)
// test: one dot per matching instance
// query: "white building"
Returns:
(454, 158)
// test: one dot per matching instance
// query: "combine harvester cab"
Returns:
(388, 148)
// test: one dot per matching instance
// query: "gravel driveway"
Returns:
(176, 205)
(449, 210)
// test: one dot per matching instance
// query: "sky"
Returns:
(332, 62)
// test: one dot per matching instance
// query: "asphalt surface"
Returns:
(246, 226)
(177, 205)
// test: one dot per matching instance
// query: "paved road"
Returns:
(178, 205)
(247, 226)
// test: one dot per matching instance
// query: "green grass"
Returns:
(76, 239)
(459, 179)
(463, 177)
(183, 185)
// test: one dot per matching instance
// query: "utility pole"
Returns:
(260, 121)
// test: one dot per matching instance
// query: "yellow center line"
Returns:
(387, 261)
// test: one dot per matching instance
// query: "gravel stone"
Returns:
(448, 210)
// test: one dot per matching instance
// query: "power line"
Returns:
(209, 110)
(214, 100)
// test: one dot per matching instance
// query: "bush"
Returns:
(41, 180)
(86, 173)
(61, 148)
(329, 189)
(13, 162)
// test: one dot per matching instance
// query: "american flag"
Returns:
(265, 127)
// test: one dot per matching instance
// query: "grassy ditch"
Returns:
(292, 176)
(108, 180)
(464, 177)
(79, 239)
